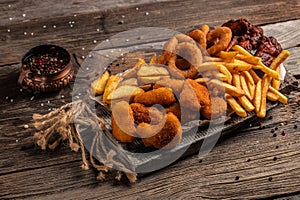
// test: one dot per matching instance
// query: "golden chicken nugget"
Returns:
(123, 128)
(164, 135)
(215, 109)
(162, 96)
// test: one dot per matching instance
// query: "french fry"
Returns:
(264, 89)
(236, 81)
(235, 106)
(208, 66)
(257, 96)
(237, 66)
(272, 73)
(272, 97)
(225, 71)
(202, 80)
(250, 83)
(251, 90)
(283, 99)
(248, 77)
(279, 59)
(245, 87)
(153, 59)
(241, 50)
(212, 59)
(246, 103)
(111, 85)
(230, 89)
(98, 86)
(276, 83)
(220, 76)
(254, 76)
(249, 59)
(227, 55)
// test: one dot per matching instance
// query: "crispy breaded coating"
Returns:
(216, 109)
(201, 91)
(122, 121)
(174, 84)
(164, 135)
(188, 98)
(162, 96)
(150, 115)
(175, 109)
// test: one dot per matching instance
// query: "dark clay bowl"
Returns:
(46, 75)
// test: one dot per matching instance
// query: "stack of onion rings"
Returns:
(181, 49)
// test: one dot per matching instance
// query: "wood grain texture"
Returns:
(162, 14)
(248, 153)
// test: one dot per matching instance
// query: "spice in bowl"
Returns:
(49, 63)
(46, 68)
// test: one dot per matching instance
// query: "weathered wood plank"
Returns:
(39, 9)
(108, 23)
(213, 178)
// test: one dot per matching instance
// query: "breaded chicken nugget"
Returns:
(188, 98)
(163, 135)
(150, 115)
(216, 109)
(175, 109)
(201, 91)
(122, 121)
(174, 84)
(162, 96)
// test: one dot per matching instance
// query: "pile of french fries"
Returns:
(244, 89)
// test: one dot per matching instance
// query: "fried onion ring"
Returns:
(199, 36)
(223, 35)
(189, 52)
(170, 46)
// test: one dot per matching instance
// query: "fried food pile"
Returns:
(197, 75)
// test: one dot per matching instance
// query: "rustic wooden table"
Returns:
(254, 162)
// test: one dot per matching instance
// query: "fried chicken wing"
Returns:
(164, 135)
(162, 96)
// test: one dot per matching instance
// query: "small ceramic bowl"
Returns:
(46, 68)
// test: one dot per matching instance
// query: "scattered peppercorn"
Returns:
(237, 178)
(270, 179)
(48, 63)
(295, 126)
(271, 117)
(272, 131)
(276, 147)
(274, 135)
(274, 158)
(249, 160)
(276, 128)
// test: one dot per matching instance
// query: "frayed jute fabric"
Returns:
(58, 126)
